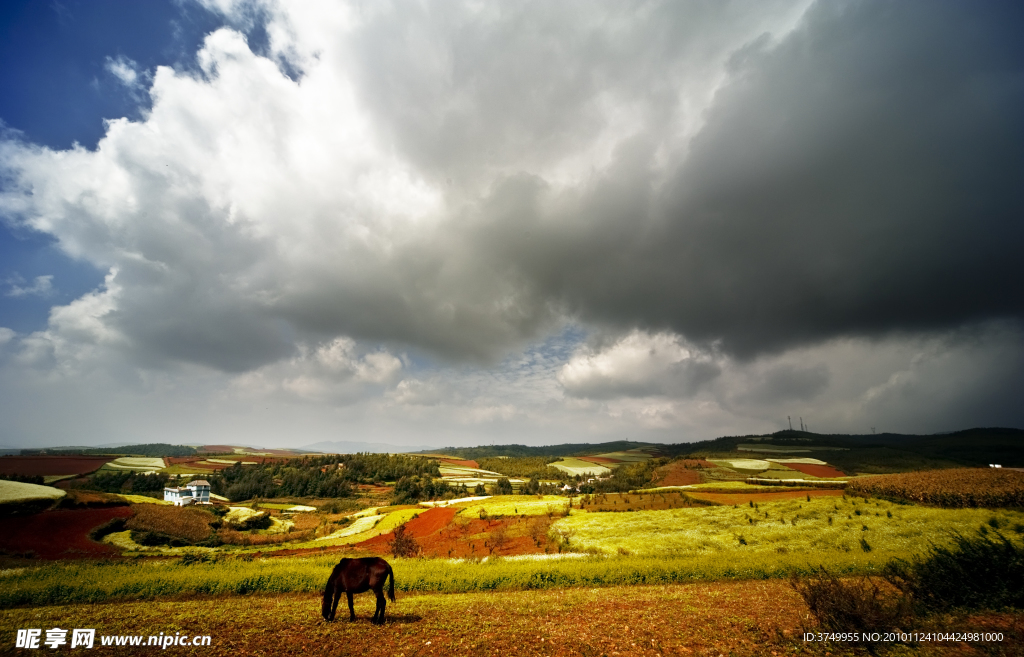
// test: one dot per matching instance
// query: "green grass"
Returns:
(717, 530)
(84, 582)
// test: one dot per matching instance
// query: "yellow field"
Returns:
(515, 505)
(15, 491)
(578, 467)
(793, 526)
(142, 499)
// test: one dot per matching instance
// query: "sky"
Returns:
(440, 224)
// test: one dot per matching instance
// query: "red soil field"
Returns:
(457, 462)
(681, 473)
(62, 534)
(430, 521)
(815, 470)
(438, 536)
(51, 465)
(171, 460)
(744, 498)
(598, 459)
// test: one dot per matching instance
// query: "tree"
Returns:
(503, 487)
(498, 539)
(404, 545)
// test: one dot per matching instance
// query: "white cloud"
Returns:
(42, 287)
(637, 365)
(125, 70)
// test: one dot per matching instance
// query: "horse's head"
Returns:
(328, 599)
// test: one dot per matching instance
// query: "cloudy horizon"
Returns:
(454, 224)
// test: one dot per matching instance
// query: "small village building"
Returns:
(196, 491)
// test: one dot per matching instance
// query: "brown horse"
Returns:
(355, 576)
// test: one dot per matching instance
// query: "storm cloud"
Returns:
(682, 216)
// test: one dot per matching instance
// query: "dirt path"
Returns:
(738, 618)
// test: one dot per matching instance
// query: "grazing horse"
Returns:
(355, 576)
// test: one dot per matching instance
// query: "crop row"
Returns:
(956, 488)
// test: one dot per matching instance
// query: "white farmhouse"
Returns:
(196, 491)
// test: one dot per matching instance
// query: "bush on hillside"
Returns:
(853, 606)
(189, 524)
(980, 572)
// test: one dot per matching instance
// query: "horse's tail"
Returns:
(391, 586)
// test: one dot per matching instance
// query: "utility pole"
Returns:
(790, 422)
(801, 424)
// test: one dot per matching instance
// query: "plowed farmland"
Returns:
(439, 533)
(62, 534)
(51, 465)
(460, 463)
(684, 472)
(956, 488)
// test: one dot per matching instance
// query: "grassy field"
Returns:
(136, 463)
(16, 491)
(704, 559)
(577, 467)
(720, 618)
(832, 526)
(79, 582)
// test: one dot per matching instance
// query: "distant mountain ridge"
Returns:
(978, 447)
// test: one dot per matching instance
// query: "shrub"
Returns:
(261, 521)
(152, 539)
(190, 558)
(403, 545)
(190, 524)
(109, 527)
(853, 606)
(974, 573)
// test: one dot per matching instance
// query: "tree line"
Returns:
(319, 476)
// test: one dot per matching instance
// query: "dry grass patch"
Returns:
(189, 523)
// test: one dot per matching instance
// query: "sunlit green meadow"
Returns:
(794, 526)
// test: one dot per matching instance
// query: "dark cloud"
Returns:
(861, 176)
(786, 382)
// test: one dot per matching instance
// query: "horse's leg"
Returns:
(378, 616)
(351, 609)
